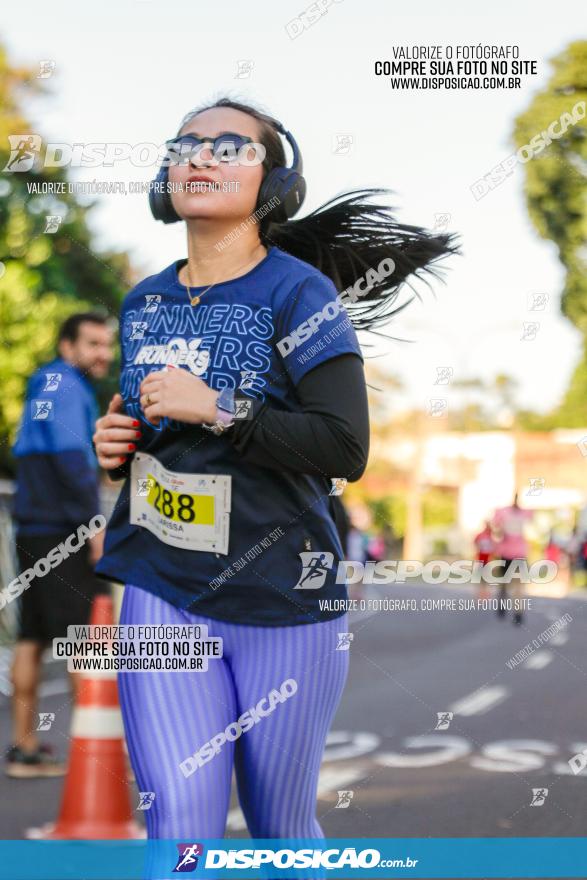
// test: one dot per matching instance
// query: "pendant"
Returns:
(194, 300)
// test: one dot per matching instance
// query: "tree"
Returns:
(556, 195)
(44, 277)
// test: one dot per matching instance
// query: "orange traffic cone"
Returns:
(96, 802)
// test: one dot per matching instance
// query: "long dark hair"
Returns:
(348, 235)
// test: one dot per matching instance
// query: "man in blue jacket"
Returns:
(56, 494)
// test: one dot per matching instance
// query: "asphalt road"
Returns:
(497, 768)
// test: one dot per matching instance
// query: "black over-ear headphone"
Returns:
(286, 185)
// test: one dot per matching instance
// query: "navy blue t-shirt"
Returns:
(259, 333)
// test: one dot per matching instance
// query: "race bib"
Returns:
(190, 511)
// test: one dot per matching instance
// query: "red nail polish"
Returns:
(135, 423)
(131, 447)
(122, 460)
(138, 434)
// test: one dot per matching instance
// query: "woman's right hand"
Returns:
(116, 435)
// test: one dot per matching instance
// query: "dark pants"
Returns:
(61, 598)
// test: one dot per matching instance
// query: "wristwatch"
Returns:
(225, 411)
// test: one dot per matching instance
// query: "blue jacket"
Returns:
(57, 470)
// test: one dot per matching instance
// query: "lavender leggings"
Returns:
(170, 715)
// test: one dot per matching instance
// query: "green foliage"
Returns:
(438, 509)
(572, 413)
(556, 179)
(556, 195)
(44, 276)
(390, 510)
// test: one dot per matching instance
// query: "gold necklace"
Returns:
(195, 300)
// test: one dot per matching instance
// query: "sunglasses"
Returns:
(225, 147)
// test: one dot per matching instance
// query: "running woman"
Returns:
(512, 548)
(222, 520)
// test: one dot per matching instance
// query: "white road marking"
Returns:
(538, 660)
(51, 688)
(334, 778)
(480, 701)
(561, 638)
(514, 755)
(447, 748)
(342, 745)
(504, 756)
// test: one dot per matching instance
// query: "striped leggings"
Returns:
(169, 715)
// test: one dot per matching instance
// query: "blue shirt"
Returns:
(56, 467)
(258, 333)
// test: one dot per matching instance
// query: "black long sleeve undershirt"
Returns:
(330, 437)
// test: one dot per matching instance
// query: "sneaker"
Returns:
(30, 765)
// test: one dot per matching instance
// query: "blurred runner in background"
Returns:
(512, 547)
(56, 493)
(485, 546)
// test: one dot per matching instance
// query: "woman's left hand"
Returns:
(176, 394)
